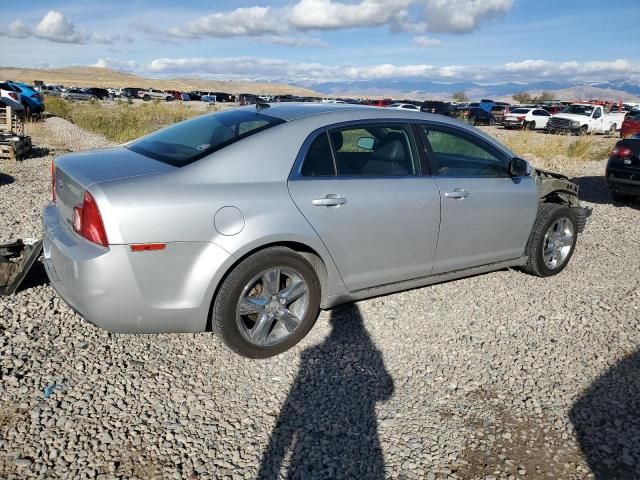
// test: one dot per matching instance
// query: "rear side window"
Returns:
(457, 155)
(188, 141)
(363, 150)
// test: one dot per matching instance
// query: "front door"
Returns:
(487, 215)
(361, 190)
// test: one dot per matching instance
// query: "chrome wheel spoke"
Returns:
(250, 305)
(271, 281)
(289, 321)
(293, 292)
(260, 330)
(558, 242)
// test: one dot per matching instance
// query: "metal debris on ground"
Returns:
(16, 259)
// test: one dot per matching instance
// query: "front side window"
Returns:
(456, 154)
(188, 141)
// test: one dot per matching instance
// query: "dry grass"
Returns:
(554, 151)
(121, 122)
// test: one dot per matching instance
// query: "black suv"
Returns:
(442, 108)
(101, 93)
(623, 170)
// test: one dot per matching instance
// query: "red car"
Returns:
(631, 125)
(175, 94)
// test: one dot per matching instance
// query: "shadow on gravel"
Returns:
(607, 422)
(38, 152)
(594, 190)
(36, 277)
(327, 427)
(6, 179)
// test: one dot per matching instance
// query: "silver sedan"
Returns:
(246, 222)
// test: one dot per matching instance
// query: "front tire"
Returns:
(552, 240)
(267, 303)
(146, 98)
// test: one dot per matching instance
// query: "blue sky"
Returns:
(323, 40)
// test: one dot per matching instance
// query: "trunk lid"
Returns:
(75, 172)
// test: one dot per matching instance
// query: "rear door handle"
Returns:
(331, 200)
(457, 193)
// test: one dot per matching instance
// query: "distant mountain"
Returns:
(420, 89)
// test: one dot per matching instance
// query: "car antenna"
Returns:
(261, 105)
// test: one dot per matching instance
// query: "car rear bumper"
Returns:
(512, 123)
(126, 292)
(624, 182)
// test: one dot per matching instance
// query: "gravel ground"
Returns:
(492, 377)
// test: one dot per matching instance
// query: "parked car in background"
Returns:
(177, 95)
(479, 116)
(99, 93)
(404, 106)
(195, 95)
(441, 108)
(630, 125)
(247, 221)
(130, 92)
(498, 112)
(209, 97)
(51, 90)
(223, 97)
(623, 170)
(185, 97)
(526, 118)
(11, 97)
(584, 118)
(31, 100)
(154, 94)
(78, 94)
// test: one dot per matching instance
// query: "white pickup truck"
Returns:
(152, 94)
(583, 118)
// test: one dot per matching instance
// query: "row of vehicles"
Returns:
(22, 98)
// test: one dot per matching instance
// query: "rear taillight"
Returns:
(53, 181)
(88, 222)
(621, 152)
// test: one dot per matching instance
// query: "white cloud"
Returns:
(327, 14)
(424, 41)
(414, 16)
(462, 16)
(251, 68)
(56, 27)
(239, 22)
(18, 29)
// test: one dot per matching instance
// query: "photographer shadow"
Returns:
(607, 422)
(327, 427)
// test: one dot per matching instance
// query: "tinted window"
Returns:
(188, 141)
(319, 159)
(541, 113)
(520, 110)
(374, 150)
(456, 154)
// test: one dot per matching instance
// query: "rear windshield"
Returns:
(520, 110)
(188, 141)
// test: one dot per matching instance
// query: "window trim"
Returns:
(296, 169)
(473, 138)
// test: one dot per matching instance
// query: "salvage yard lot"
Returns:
(502, 375)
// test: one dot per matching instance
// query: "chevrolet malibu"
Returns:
(247, 222)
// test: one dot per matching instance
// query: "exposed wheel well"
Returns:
(307, 252)
(561, 198)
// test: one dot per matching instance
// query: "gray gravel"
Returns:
(497, 376)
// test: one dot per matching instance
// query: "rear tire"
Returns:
(552, 240)
(472, 121)
(146, 98)
(241, 331)
(492, 121)
(612, 130)
(584, 130)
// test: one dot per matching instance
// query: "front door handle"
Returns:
(457, 193)
(331, 200)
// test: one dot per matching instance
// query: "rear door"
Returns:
(487, 215)
(360, 187)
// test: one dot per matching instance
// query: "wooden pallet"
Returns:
(10, 122)
(14, 147)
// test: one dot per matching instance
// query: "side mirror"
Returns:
(518, 167)
(366, 143)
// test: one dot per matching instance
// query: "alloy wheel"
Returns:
(558, 242)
